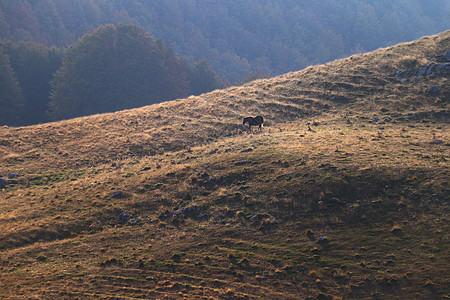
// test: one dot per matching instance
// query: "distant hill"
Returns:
(342, 195)
(237, 37)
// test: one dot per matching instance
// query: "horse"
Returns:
(256, 121)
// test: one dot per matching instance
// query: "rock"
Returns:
(430, 70)
(258, 217)
(227, 150)
(434, 89)
(3, 183)
(375, 119)
(441, 68)
(421, 71)
(202, 216)
(437, 142)
(13, 175)
(190, 211)
(118, 194)
(247, 150)
(124, 217)
(323, 241)
(242, 162)
(254, 217)
(135, 221)
(387, 119)
(447, 55)
(212, 152)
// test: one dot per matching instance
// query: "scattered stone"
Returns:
(191, 211)
(259, 217)
(375, 119)
(247, 150)
(242, 162)
(212, 152)
(3, 183)
(441, 68)
(124, 217)
(387, 119)
(433, 89)
(118, 194)
(254, 218)
(227, 150)
(437, 142)
(244, 187)
(134, 221)
(323, 241)
(13, 175)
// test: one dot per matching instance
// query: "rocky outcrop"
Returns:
(441, 66)
(429, 70)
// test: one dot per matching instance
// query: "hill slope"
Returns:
(347, 205)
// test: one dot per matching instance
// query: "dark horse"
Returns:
(256, 121)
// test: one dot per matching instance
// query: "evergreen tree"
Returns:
(34, 66)
(11, 97)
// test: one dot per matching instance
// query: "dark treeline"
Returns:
(112, 68)
(237, 37)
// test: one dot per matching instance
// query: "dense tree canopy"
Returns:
(34, 65)
(111, 68)
(11, 97)
(115, 68)
(237, 37)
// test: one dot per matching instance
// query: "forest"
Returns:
(229, 41)
(112, 68)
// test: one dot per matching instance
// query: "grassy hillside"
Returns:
(344, 194)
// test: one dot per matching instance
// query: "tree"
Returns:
(11, 97)
(202, 78)
(34, 65)
(114, 68)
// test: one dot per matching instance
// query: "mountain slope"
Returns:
(177, 200)
(359, 84)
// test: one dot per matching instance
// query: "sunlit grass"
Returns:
(322, 203)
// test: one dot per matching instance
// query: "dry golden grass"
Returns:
(320, 168)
